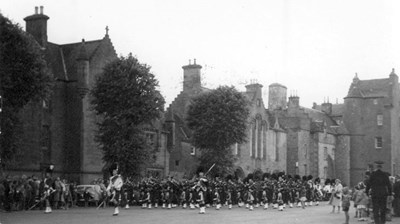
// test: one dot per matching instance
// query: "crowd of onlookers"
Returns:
(28, 192)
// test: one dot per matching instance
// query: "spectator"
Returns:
(381, 188)
(396, 202)
(336, 196)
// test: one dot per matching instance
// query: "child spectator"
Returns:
(346, 197)
(362, 203)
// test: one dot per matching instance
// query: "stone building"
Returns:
(264, 151)
(61, 131)
(317, 144)
(371, 114)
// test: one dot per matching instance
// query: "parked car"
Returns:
(88, 194)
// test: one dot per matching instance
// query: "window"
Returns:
(193, 152)
(379, 119)
(45, 104)
(45, 142)
(235, 152)
(378, 142)
(258, 102)
(150, 139)
(176, 162)
(375, 101)
(305, 169)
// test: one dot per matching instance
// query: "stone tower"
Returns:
(277, 96)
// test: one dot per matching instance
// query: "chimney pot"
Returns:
(36, 10)
(41, 9)
(194, 61)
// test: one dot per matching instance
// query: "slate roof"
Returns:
(62, 58)
(369, 88)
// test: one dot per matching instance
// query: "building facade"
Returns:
(317, 144)
(371, 114)
(264, 151)
(61, 131)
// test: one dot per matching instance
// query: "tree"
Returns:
(125, 97)
(23, 78)
(218, 120)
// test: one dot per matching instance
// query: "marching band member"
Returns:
(48, 190)
(114, 187)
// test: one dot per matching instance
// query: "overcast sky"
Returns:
(313, 47)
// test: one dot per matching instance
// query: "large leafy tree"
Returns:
(126, 98)
(23, 78)
(218, 120)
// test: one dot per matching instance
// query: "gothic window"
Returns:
(45, 142)
(379, 119)
(305, 169)
(378, 142)
(236, 150)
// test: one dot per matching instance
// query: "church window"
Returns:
(45, 142)
(378, 142)
(379, 119)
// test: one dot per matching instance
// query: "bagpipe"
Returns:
(47, 192)
(116, 184)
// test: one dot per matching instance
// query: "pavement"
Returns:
(310, 215)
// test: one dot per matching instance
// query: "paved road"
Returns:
(310, 215)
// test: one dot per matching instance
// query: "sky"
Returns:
(313, 47)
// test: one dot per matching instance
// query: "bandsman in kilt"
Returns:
(114, 187)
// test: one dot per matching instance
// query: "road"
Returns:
(310, 215)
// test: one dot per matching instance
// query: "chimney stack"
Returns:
(192, 78)
(36, 25)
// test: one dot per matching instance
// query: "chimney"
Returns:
(327, 108)
(294, 102)
(36, 25)
(192, 78)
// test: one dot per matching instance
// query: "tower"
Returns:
(277, 96)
